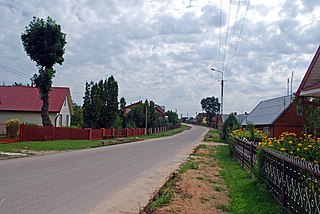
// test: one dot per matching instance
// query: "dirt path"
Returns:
(201, 189)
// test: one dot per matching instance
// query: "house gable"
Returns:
(310, 84)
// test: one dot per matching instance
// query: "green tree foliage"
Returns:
(44, 43)
(137, 116)
(87, 106)
(172, 117)
(100, 104)
(313, 117)
(77, 117)
(121, 112)
(211, 106)
(229, 125)
(112, 102)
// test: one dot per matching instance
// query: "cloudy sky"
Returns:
(163, 49)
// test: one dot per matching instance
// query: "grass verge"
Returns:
(246, 195)
(62, 145)
(166, 193)
(166, 133)
(213, 136)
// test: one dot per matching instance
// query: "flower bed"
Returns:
(305, 148)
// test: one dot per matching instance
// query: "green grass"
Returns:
(246, 195)
(165, 195)
(213, 136)
(189, 164)
(61, 145)
(166, 133)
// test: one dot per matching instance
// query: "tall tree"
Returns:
(121, 112)
(44, 43)
(112, 101)
(211, 106)
(87, 112)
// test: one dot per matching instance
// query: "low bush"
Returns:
(12, 128)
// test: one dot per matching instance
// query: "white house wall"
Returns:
(65, 113)
(24, 117)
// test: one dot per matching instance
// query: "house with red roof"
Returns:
(159, 109)
(24, 103)
(310, 84)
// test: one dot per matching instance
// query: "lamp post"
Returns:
(222, 83)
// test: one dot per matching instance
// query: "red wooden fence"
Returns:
(46, 133)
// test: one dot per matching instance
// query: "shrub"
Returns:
(12, 128)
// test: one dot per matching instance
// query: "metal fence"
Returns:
(294, 183)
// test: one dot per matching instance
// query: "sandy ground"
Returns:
(199, 191)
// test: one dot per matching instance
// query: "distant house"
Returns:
(277, 115)
(159, 109)
(24, 103)
(128, 108)
(217, 121)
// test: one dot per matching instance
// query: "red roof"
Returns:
(26, 98)
(311, 79)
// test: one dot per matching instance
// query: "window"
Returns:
(60, 120)
(299, 110)
(67, 120)
(266, 130)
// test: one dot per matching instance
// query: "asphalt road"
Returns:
(113, 179)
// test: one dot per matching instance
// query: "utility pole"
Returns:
(146, 119)
(222, 83)
(291, 84)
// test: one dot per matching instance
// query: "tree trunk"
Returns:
(45, 112)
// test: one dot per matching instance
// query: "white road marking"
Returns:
(2, 201)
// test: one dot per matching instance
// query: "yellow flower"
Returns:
(298, 149)
(303, 159)
(305, 148)
(309, 135)
(310, 146)
(282, 149)
(290, 142)
(299, 144)
(315, 161)
(291, 152)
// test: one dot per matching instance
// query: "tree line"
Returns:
(101, 109)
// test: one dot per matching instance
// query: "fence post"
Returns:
(103, 133)
(283, 201)
(243, 154)
(89, 133)
(113, 133)
(126, 132)
(251, 156)
(21, 132)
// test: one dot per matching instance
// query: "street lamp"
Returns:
(222, 82)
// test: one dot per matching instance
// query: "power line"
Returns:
(226, 40)
(244, 19)
(14, 71)
(220, 37)
(233, 32)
